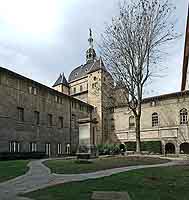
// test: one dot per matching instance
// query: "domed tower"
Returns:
(90, 54)
(62, 85)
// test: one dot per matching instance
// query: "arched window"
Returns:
(131, 121)
(155, 120)
(183, 116)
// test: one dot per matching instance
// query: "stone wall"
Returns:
(18, 92)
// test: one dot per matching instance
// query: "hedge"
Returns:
(108, 149)
(150, 146)
(22, 155)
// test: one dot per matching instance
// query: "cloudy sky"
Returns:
(43, 38)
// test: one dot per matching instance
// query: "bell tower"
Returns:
(90, 54)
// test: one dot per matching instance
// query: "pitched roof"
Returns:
(61, 80)
(166, 96)
(186, 56)
(85, 69)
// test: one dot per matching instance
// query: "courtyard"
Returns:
(141, 176)
(155, 183)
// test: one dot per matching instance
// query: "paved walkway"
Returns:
(39, 176)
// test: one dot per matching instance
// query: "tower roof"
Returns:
(88, 68)
(186, 56)
(61, 80)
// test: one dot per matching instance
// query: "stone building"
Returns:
(34, 117)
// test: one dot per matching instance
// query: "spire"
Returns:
(186, 57)
(90, 54)
(90, 40)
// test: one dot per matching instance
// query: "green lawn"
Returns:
(12, 169)
(166, 183)
(72, 167)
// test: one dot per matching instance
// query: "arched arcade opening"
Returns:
(170, 148)
(184, 148)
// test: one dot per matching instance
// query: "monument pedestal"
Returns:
(86, 148)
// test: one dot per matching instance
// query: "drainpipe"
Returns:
(70, 104)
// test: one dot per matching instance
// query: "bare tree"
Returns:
(132, 47)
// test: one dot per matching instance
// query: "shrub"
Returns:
(22, 155)
(83, 161)
(108, 149)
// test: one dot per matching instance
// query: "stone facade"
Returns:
(169, 127)
(34, 117)
(91, 88)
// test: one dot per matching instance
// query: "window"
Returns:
(68, 148)
(81, 107)
(94, 78)
(48, 149)
(153, 103)
(36, 117)
(14, 146)
(59, 148)
(94, 85)
(49, 120)
(33, 90)
(75, 106)
(33, 147)
(131, 122)
(183, 116)
(58, 100)
(74, 121)
(155, 120)
(74, 90)
(20, 114)
(60, 122)
(61, 100)
(81, 88)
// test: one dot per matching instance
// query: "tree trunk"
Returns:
(138, 143)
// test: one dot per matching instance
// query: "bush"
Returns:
(150, 146)
(83, 162)
(108, 149)
(22, 155)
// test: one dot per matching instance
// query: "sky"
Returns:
(42, 38)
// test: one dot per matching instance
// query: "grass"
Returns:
(156, 183)
(74, 167)
(12, 169)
